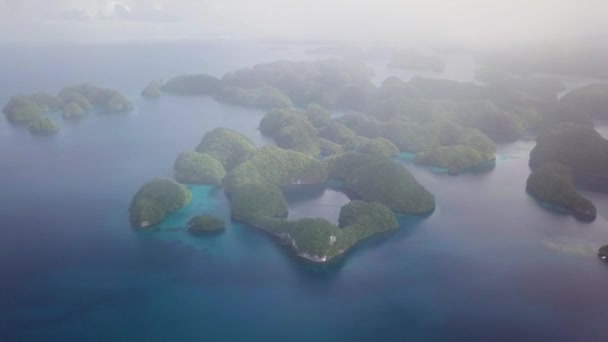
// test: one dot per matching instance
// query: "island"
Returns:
(43, 126)
(155, 199)
(603, 253)
(74, 102)
(276, 166)
(553, 183)
(88, 96)
(230, 147)
(73, 112)
(291, 130)
(393, 185)
(579, 147)
(152, 90)
(199, 84)
(206, 224)
(590, 100)
(198, 168)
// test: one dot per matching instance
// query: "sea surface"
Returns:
(490, 263)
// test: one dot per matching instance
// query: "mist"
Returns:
(477, 22)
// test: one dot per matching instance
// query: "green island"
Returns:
(603, 253)
(255, 178)
(204, 224)
(591, 100)
(89, 97)
(230, 147)
(152, 90)
(73, 102)
(553, 183)
(415, 60)
(43, 126)
(581, 148)
(155, 199)
(198, 168)
(565, 154)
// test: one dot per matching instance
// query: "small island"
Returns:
(205, 224)
(579, 147)
(44, 126)
(553, 183)
(73, 102)
(603, 253)
(155, 199)
(23, 109)
(152, 90)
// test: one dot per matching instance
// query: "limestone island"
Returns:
(155, 199)
(198, 168)
(256, 177)
(579, 147)
(152, 90)
(552, 182)
(206, 224)
(43, 126)
(74, 102)
(603, 253)
(563, 155)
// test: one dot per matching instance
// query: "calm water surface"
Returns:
(489, 262)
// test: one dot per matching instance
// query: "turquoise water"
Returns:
(489, 263)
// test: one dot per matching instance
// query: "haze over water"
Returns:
(490, 261)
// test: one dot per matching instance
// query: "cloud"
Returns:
(373, 20)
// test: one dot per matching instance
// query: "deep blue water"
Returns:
(490, 263)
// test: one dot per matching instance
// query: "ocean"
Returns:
(490, 263)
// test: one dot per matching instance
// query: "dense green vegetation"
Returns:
(230, 147)
(370, 215)
(73, 112)
(253, 200)
(336, 132)
(391, 184)
(198, 168)
(329, 148)
(192, 85)
(378, 147)
(342, 165)
(581, 148)
(317, 115)
(450, 157)
(89, 96)
(152, 90)
(155, 199)
(43, 126)
(272, 165)
(291, 130)
(553, 182)
(591, 100)
(23, 109)
(206, 224)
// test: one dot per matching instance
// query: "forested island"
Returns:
(43, 126)
(564, 154)
(205, 224)
(74, 102)
(253, 179)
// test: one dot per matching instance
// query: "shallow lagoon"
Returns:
(489, 261)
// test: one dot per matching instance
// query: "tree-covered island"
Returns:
(155, 199)
(206, 224)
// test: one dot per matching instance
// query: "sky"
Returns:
(458, 21)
